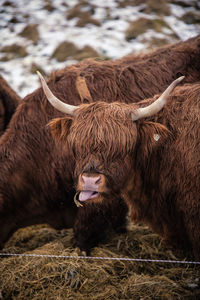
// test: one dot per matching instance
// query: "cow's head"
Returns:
(106, 140)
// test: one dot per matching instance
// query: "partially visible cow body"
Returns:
(9, 101)
(131, 78)
(168, 178)
(36, 175)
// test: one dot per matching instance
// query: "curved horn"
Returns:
(157, 105)
(59, 105)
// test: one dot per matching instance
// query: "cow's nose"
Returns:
(95, 182)
(91, 180)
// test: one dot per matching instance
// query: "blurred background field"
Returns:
(50, 34)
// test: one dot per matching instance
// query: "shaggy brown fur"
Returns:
(170, 176)
(159, 180)
(9, 101)
(131, 78)
(36, 183)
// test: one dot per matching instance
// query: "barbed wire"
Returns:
(103, 258)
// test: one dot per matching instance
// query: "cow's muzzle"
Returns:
(90, 186)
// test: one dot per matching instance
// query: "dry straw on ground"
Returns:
(42, 278)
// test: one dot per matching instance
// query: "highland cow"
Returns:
(36, 182)
(148, 156)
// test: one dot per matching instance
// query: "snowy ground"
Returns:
(108, 39)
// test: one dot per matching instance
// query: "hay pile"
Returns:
(43, 278)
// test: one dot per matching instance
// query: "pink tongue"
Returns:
(85, 195)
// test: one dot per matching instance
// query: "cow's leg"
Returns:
(95, 221)
(8, 225)
(193, 228)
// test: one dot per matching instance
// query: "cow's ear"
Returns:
(60, 128)
(150, 136)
